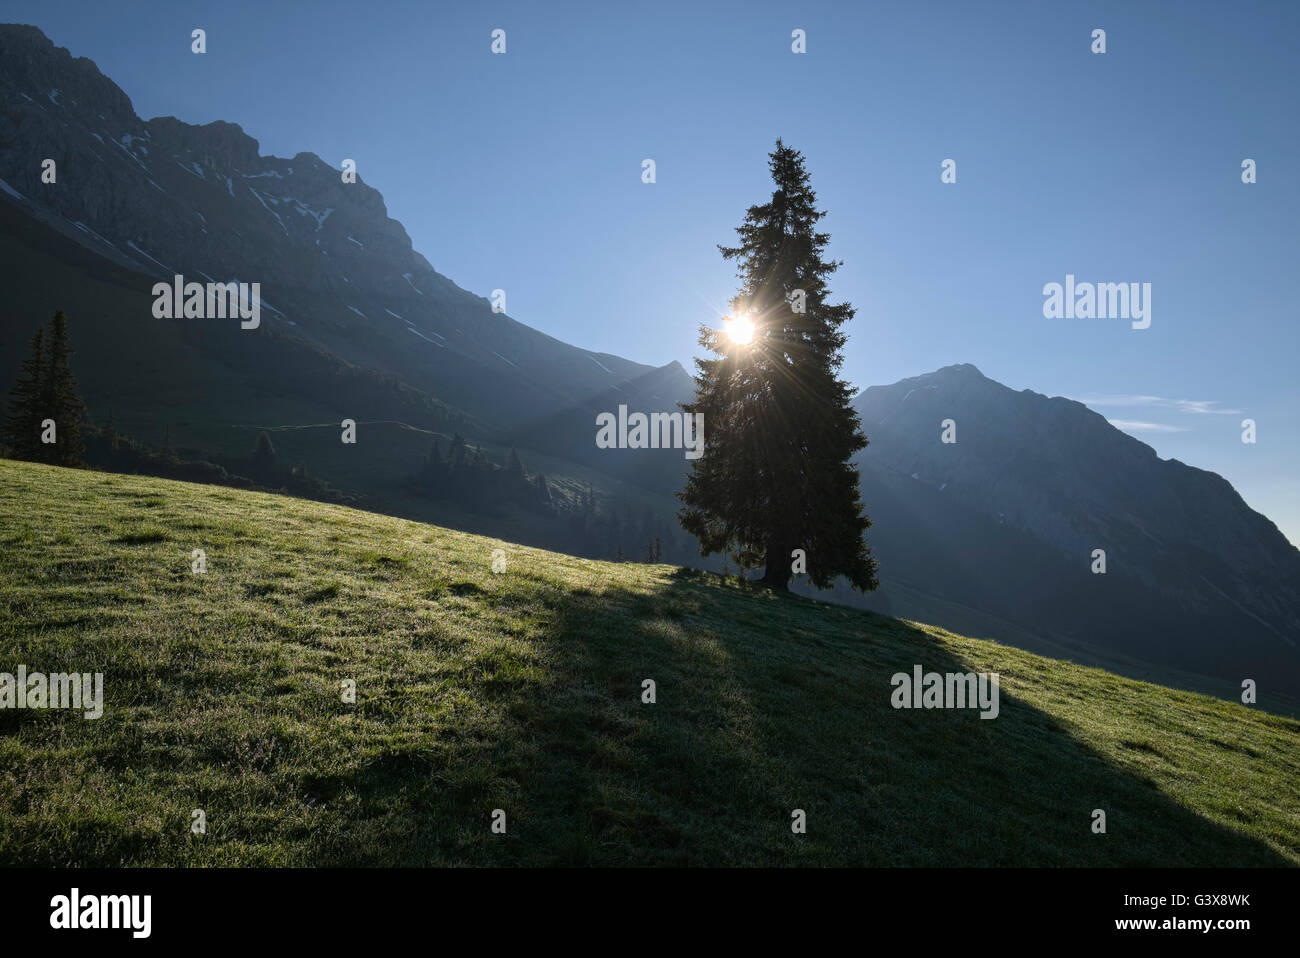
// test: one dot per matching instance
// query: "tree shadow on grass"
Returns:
(766, 704)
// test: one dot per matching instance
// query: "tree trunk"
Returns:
(777, 573)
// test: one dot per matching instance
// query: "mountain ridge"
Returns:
(1007, 518)
(335, 269)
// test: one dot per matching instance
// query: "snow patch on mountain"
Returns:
(124, 145)
(269, 210)
(910, 391)
(305, 210)
(86, 229)
(148, 257)
(424, 337)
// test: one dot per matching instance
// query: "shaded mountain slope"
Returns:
(1006, 520)
(164, 197)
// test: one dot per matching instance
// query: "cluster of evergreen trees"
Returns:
(578, 523)
(46, 424)
(264, 469)
(109, 450)
(466, 476)
(45, 412)
(615, 530)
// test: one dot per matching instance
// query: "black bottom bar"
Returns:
(335, 906)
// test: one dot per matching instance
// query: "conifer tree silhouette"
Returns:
(60, 399)
(776, 474)
(23, 424)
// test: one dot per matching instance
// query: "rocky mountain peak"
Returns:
(37, 71)
(955, 371)
(222, 144)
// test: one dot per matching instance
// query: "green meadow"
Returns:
(521, 690)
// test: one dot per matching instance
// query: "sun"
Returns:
(740, 330)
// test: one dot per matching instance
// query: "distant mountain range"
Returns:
(996, 532)
(990, 535)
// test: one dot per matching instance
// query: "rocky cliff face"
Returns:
(164, 197)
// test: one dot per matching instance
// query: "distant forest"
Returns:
(582, 524)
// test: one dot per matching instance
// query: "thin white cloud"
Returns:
(1199, 407)
(1130, 425)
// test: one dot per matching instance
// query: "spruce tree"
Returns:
(513, 466)
(776, 474)
(456, 452)
(22, 427)
(263, 459)
(111, 433)
(59, 397)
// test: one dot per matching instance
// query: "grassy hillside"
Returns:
(210, 389)
(521, 691)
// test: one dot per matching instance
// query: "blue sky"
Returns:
(522, 172)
